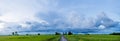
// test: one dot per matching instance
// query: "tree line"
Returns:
(64, 33)
(115, 33)
(16, 33)
(56, 33)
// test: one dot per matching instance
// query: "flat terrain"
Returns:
(30, 38)
(93, 37)
(58, 37)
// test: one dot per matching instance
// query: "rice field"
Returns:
(30, 38)
(93, 37)
(57, 37)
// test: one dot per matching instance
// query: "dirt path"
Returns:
(62, 38)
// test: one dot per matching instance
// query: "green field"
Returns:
(30, 38)
(57, 37)
(93, 37)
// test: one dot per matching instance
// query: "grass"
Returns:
(30, 38)
(57, 37)
(93, 37)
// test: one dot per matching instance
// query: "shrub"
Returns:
(70, 33)
(27, 34)
(38, 33)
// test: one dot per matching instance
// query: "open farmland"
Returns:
(57, 37)
(93, 37)
(30, 38)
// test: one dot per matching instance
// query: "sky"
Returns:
(49, 16)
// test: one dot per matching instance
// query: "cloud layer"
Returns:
(57, 16)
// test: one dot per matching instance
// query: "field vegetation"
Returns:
(30, 38)
(93, 37)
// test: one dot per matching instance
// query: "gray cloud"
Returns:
(51, 16)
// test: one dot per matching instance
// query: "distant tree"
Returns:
(70, 33)
(56, 33)
(27, 34)
(87, 34)
(13, 33)
(115, 33)
(64, 33)
(16, 33)
(38, 33)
